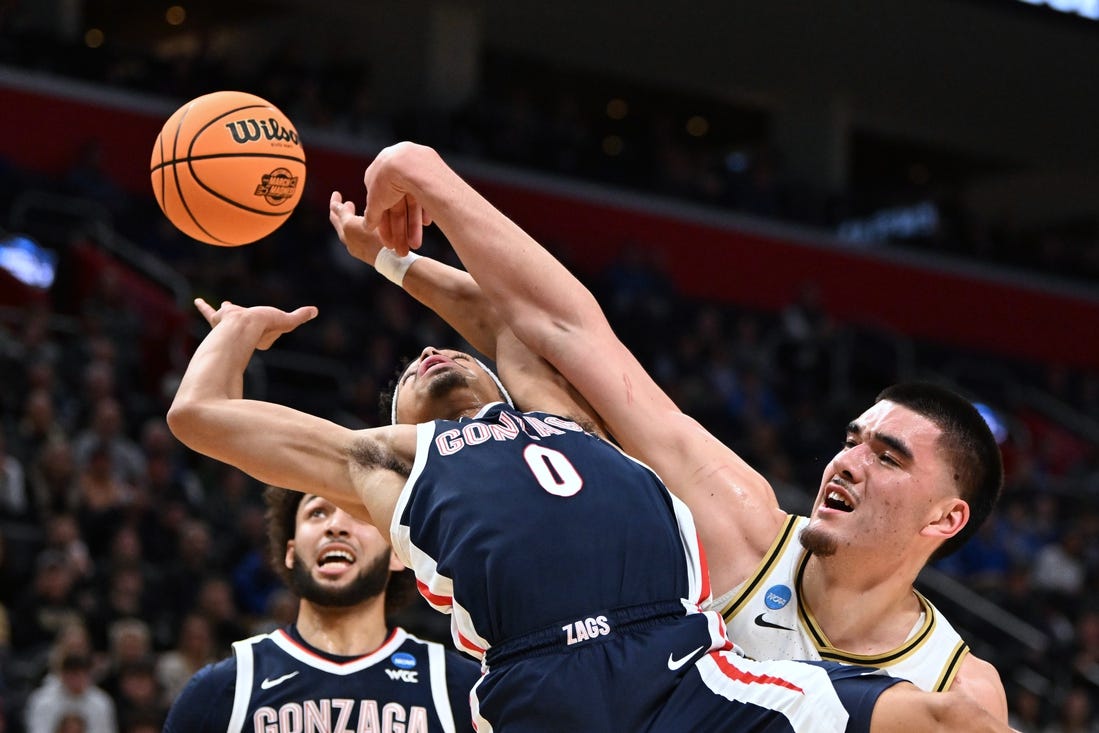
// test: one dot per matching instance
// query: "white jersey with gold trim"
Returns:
(767, 619)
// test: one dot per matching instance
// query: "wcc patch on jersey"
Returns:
(282, 686)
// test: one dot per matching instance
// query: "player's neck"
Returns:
(859, 613)
(346, 631)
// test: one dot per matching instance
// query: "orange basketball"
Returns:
(228, 168)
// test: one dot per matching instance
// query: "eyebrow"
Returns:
(898, 445)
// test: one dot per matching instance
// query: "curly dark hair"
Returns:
(281, 515)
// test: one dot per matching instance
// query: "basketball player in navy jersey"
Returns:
(567, 566)
(837, 585)
(338, 667)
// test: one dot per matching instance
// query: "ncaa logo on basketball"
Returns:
(777, 596)
(277, 187)
(403, 660)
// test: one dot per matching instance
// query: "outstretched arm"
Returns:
(361, 471)
(904, 708)
(735, 509)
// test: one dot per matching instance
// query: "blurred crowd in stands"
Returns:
(603, 128)
(127, 563)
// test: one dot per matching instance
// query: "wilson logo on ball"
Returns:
(249, 131)
(277, 187)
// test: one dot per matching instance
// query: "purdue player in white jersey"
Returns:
(917, 474)
(339, 667)
(769, 618)
(466, 518)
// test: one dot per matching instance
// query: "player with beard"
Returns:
(566, 566)
(917, 472)
(339, 666)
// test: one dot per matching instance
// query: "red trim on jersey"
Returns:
(739, 675)
(433, 597)
(469, 644)
(314, 654)
(705, 594)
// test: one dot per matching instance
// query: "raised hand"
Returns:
(361, 243)
(391, 207)
(274, 322)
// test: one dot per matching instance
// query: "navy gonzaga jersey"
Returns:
(522, 521)
(275, 684)
(578, 579)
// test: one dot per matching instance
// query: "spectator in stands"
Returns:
(194, 559)
(254, 581)
(37, 425)
(984, 561)
(103, 499)
(194, 649)
(72, 723)
(54, 480)
(70, 690)
(138, 696)
(215, 603)
(44, 608)
(14, 502)
(129, 641)
(107, 431)
(1074, 713)
(121, 595)
(63, 535)
(808, 347)
(174, 480)
(1086, 661)
(1027, 713)
(1059, 568)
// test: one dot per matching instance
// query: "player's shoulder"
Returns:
(205, 703)
(980, 680)
(215, 674)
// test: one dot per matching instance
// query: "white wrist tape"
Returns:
(392, 267)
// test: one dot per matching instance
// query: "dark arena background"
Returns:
(783, 207)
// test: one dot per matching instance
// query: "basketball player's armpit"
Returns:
(372, 454)
(379, 461)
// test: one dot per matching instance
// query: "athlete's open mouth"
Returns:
(834, 500)
(340, 556)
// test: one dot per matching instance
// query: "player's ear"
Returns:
(395, 565)
(950, 516)
(288, 558)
